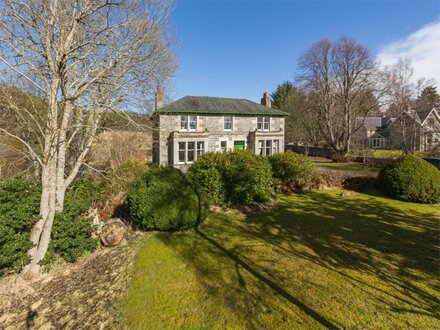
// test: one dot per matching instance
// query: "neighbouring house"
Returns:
(413, 130)
(193, 125)
(372, 133)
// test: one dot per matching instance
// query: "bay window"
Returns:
(200, 148)
(182, 152)
(275, 147)
(268, 147)
(261, 147)
(188, 151)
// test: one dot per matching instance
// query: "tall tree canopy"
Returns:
(342, 82)
(429, 98)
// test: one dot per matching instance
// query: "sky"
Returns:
(240, 49)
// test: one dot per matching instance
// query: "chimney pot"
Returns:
(158, 104)
(266, 100)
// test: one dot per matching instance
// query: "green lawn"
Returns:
(348, 167)
(319, 260)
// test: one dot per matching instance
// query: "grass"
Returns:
(319, 260)
(348, 167)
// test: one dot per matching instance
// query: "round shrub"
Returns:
(247, 178)
(207, 172)
(238, 177)
(411, 179)
(167, 200)
(291, 168)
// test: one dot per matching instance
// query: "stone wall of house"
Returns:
(210, 129)
(359, 138)
(404, 134)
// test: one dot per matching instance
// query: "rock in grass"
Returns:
(112, 233)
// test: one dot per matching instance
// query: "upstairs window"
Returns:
(192, 123)
(263, 123)
(183, 123)
(227, 123)
(188, 123)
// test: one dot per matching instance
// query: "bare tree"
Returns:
(342, 82)
(83, 57)
(402, 93)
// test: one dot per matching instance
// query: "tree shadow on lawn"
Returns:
(366, 235)
(340, 234)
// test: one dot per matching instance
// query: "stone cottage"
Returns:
(193, 125)
(412, 130)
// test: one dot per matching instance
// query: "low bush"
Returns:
(19, 210)
(411, 179)
(238, 177)
(208, 171)
(247, 178)
(167, 200)
(291, 168)
(72, 230)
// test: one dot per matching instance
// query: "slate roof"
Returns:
(219, 106)
(371, 123)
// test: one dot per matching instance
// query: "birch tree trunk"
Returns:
(82, 58)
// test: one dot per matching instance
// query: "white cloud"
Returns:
(422, 48)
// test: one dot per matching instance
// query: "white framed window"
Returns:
(223, 146)
(263, 123)
(183, 123)
(190, 155)
(266, 123)
(261, 147)
(188, 151)
(182, 152)
(275, 147)
(268, 147)
(188, 123)
(192, 123)
(227, 123)
(200, 148)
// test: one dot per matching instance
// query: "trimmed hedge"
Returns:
(166, 200)
(238, 177)
(412, 179)
(291, 168)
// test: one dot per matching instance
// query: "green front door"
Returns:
(239, 145)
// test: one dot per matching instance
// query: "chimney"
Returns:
(158, 104)
(266, 100)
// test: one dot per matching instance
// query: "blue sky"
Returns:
(242, 48)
